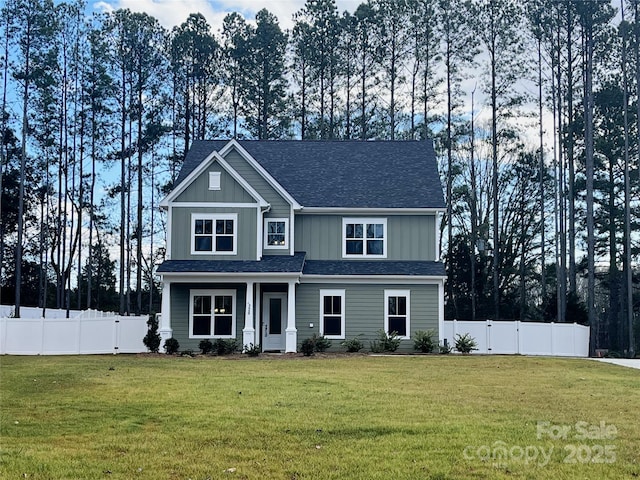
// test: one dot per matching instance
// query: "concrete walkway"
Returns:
(623, 362)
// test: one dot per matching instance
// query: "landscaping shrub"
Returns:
(314, 344)
(445, 348)
(225, 346)
(171, 346)
(205, 346)
(465, 343)
(252, 350)
(321, 343)
(385, 342)
(424, 341)
(308, 346)
(353, 345)
(376, 346)
(152, 339)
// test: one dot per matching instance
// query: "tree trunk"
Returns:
(588, 135)
(23, 163)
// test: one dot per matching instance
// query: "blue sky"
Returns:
(173, 12)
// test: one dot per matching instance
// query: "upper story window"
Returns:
(213, 234)
(276, 233)
(364, 237)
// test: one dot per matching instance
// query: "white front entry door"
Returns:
(274, 321)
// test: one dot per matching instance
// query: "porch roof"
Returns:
(268, 264)
(297, 264)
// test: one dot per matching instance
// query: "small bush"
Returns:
(321, 343)
(353, 345)
(225, 346)
(385, 342)
(424, 341)
(152, 339)
(308, 346)
(465, 343)
(376, 346)
(444, 349)
(186, 353)
(171, 346)
(205, 346)
(314, 344)
(252, 350)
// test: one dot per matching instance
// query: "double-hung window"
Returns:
(332, 314)
(212, 314)
(276, 233)
(364, 237)
(213, 234)
(397, 312)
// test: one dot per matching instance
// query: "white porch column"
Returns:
(164, 329)
(291, 332)
(249, 331)
(441, 336)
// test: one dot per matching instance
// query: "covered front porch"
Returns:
(255, 304)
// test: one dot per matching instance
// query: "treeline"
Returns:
(533, 107)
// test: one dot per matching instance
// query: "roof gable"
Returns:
(341, 174)
(199, 167)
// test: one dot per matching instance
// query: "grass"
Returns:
(359, 417)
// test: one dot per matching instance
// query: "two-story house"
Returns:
(270, 242)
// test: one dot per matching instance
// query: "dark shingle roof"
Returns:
(268, 264)
(349, 174)
(376, 267)
(296, 264)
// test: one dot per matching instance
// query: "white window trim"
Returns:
(213, 294)
(364, 221)
(332, 293)
(214, 180)
(397, 293)
(214, 217)
(266, 234)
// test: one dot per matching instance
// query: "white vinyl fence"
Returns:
(89, 332)
(526, 338)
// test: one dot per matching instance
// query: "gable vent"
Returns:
(214, 180)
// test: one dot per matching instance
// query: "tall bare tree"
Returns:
(498, 26)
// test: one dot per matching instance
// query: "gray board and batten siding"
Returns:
(408, 237)
(230, 190)
(246, 232)
(279, 206)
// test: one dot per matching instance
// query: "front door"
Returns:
(274, 315)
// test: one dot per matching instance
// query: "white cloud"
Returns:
(173, 12)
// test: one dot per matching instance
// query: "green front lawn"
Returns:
(413, 417)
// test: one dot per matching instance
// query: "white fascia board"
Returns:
(229, 277)
(178, 189)
(213, 204)
(372, 211)
(374, 279)
(260, 169)
(196, 172)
